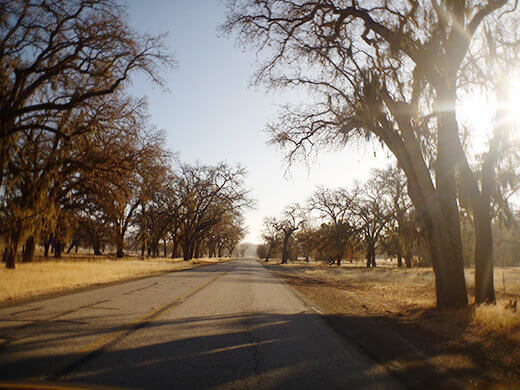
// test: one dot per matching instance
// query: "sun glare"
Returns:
(477, 113)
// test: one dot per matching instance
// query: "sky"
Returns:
(211, 113)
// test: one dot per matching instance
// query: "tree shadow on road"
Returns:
(240, 350)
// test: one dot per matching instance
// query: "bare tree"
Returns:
(337, 208)
(293, 217)
(207, 194)
(383, 69)
(59, 56)
(373, 214)
(271, 236)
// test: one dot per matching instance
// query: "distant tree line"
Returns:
(338, 224)
(376, 218)
(80, 163)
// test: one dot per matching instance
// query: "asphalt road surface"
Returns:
(228, 325)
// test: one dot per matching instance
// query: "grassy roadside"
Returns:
(390, 314)
(41, 278)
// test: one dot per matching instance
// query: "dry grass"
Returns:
(31, 279)
(399, 290)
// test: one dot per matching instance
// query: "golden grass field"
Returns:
(43, 277)
(405, 289)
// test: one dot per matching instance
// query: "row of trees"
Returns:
(80, 163)
(394, 71)
(336, 224)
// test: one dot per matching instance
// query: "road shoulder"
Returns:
(419, 356)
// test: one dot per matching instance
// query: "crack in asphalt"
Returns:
(141, 289)
(97, 348)
(53, 318)
(25, 311)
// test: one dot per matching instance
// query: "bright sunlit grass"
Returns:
(389, 290)
(30, 279)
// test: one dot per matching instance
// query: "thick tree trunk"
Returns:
(46, 245)
(28, 253)
(96, 246)
(119, 250)
(371, 254)
(10, 257)
(197, 250)
(408, 261)
(450, 285)
(443, 214)
(11, 247)
(484, 285)
(399, 260)
(188, 249)
(175, 248)
(285, 254)
(58, 248)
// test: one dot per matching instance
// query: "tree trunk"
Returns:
(58, 248)
(408, 261)
(285, 254)
(399, 260)
(119, 252)
(73, 244)
(165, 248)
(187, 249)
(46, 245)
(484, 284)
(268, 253)
(197, 249)
(450, 285)
(10, 256)
(175, 248)
(446, 237)
(11, 247)
(28, 253)
(96, 246)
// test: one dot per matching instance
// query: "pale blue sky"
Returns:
(212, 115)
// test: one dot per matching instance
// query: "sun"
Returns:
(480, 113)
(476, 113)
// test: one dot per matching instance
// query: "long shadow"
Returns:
(244, 350)
(256, 350)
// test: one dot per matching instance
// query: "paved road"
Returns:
(229, 325)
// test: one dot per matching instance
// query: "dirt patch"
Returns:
(389, 313)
